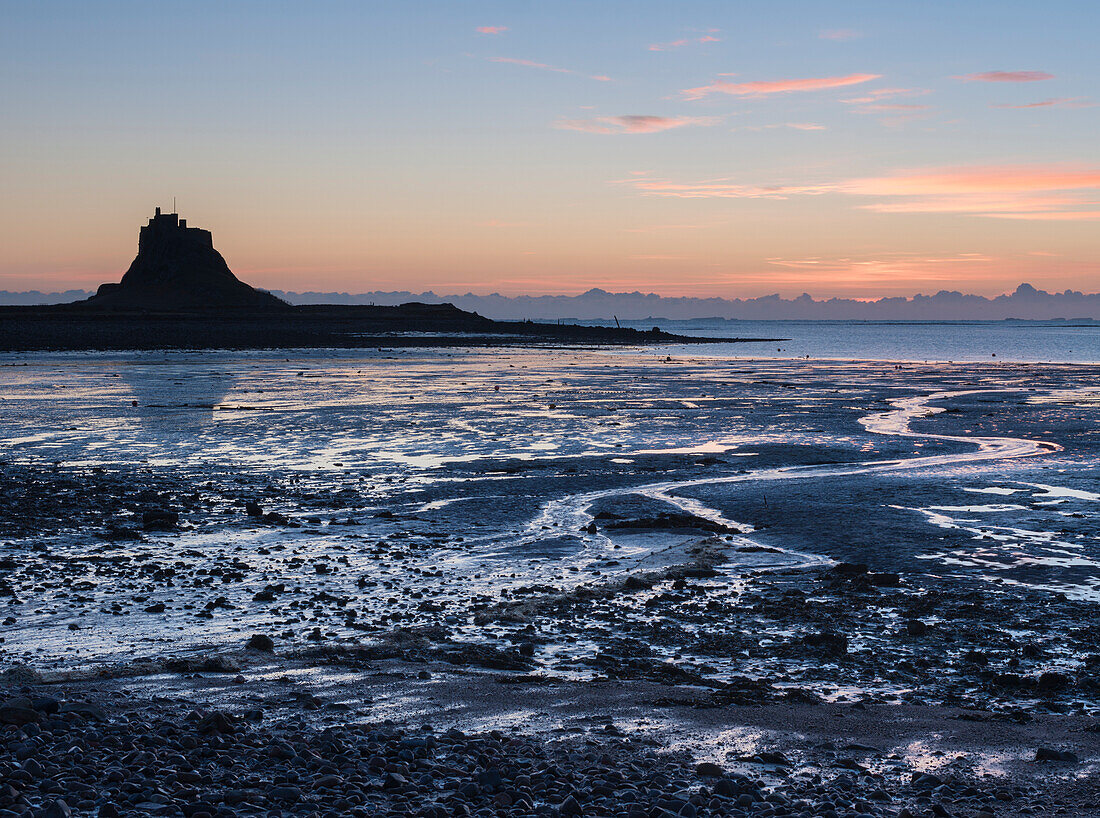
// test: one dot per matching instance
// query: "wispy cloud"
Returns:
(877, 269)
(721, 188)
(654, 228)
(492, 29)
(798, 126)
(706, 38)
(893, 106)
(878, 94)
(765, 87)
(997, 191)
(667, 46)
(1007, 76)
(1060, 102)
(531, 64)
(633, 124)
(839, 34)
(1061, 216)
(1048, 192)
(546, 67)
(979, 179)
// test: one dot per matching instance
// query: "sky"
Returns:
(857, 149)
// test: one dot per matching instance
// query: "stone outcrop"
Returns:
(178, 269)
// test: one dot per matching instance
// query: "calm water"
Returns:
(1033, 342)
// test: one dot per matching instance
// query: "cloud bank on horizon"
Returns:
(701, 150)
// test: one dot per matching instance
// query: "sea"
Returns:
(970, 341)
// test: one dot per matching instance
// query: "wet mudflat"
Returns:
(430, 537)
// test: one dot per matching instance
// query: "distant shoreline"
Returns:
(65, 328)
(1025, 303)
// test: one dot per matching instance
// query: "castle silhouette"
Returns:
(177, 268)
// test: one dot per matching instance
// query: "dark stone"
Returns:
(1052, 681)
(260, 642)
(57, 809)
(707, 769)
(217, 722)
(285, 793)
(1050, 754)
(828, 641)
(849, 569)
(159, 519)
(570, 806)
(18, 712)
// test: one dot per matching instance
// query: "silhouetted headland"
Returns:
(178, 269)
(179, 293)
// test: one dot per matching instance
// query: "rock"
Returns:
(570, 806)
(177, 268)
(57, 809)
(707, 769)
(156, 607)
(885, 580)
(19, 712)
(219, 722)
(1051, 682)
(285, 793)
(1050, 754)
(726, 787)
(849, 569)
(155, 519)
(45, 704)
(830, 642)
(18, 675)
(253, 509)
(914, 627)
(490, 779)
(84, 709)
(267, 594)
(259, 641)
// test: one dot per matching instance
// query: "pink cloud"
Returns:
(492, 29)
(1008, 76)
(995, 191)
(805, 126)
(1048, 192)
(979, 179)
(764, 87)
(885, 267)
(633, 124)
